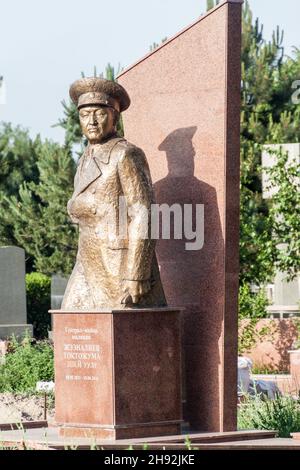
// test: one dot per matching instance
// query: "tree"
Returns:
(18, 157)
(260, 60)
(284, 213)
(38, 215)
(267, 116)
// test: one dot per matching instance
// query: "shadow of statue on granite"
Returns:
(194, 279)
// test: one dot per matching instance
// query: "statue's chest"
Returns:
(99, 197)
(94, 179)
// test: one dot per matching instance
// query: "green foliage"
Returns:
(25, 365)
(18, 156)
(285, 212)
(258, 369)
(38, 214)
(38, 292)
(252, 304)
(252, 307)
(257, 246)
(259, 60)
(281, 414)
(268, 116)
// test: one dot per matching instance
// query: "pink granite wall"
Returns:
(185, 115)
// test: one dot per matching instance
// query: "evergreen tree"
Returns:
(18, 164)
(38, 213)
(267, 116)
(18, 158)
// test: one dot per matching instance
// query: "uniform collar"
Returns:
(101, 152)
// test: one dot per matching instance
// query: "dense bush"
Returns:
(281, 414)
(25, 364)
(38, 293)
(252, 305)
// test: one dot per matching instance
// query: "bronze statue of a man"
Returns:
(111, 272)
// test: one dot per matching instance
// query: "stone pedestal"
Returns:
(117, 373)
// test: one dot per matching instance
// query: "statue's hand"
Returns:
(134, 291)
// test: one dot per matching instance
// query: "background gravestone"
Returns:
(185, 115)
(13, 318)
(58, 287)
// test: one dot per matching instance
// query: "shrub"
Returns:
(258, 369)
(252, 305)
(25, 364)
(38, 288)
(281, 414)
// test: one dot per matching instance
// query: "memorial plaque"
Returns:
(83, 357)
(117, 373)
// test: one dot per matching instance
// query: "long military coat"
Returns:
(108, 256)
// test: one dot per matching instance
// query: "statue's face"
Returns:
(97, 122)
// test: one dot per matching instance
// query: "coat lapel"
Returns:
(99, 154)
(87, 176)
(102, 152)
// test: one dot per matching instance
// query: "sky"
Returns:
(45, 45)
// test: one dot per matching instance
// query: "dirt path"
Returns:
(15, 408)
